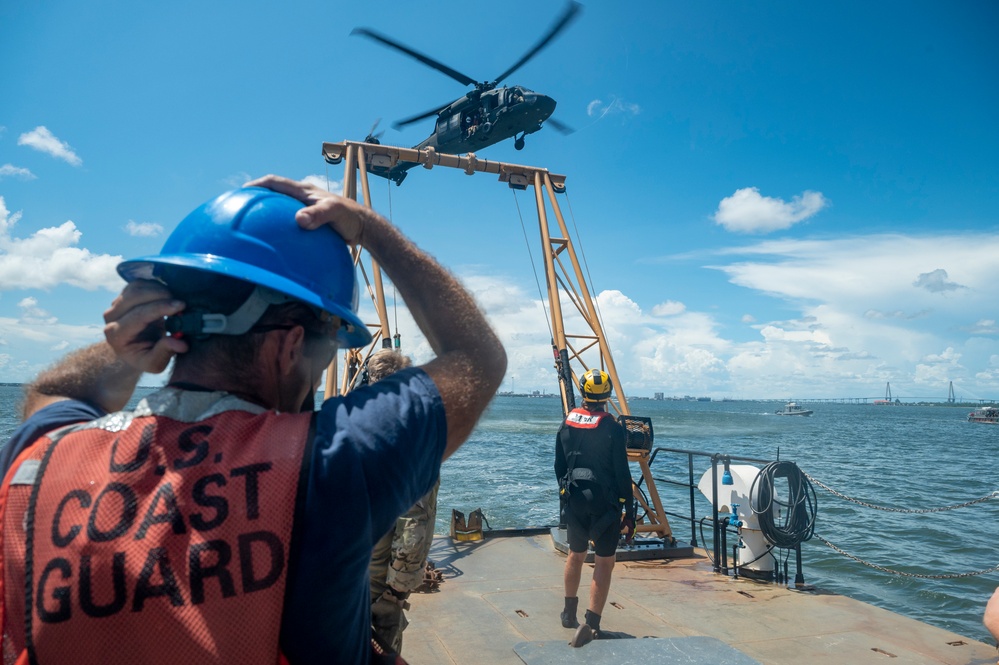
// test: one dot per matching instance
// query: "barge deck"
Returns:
(501, 597)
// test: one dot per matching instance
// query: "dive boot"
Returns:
(588, 632)
(568, 615)
(584, 635)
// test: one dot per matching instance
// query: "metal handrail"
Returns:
(719, 530)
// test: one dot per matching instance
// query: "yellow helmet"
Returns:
(595, 385)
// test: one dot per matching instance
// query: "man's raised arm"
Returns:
(96, 374)
(470, 361)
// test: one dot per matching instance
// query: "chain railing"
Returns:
(902, 573)
(911, 511)
(890, 509)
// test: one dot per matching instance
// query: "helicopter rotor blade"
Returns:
(427, 60)
(410, 120)
(571, 10)
(560, 127)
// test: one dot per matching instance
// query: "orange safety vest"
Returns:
(148, 539)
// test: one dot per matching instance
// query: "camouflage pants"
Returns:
(388, 620)
(398, 561)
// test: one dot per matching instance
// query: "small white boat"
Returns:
(986, 414)
(792, 409)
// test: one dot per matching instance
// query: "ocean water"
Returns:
(908, 457)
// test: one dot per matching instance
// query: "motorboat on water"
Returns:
(985, 414)
(793, 409)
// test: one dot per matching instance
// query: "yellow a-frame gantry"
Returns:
(576, 339)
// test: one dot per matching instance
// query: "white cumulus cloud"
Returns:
(143, 229)
(322, 182)
(11, 171)
(41, 139)
(32, 314)
(746, 211)
(669, 308)
(50, 257)
(984, 327)
(936, 281)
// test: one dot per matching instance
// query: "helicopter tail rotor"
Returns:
(372, 137)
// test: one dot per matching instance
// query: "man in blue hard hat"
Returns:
(591, 465)
(222, 520)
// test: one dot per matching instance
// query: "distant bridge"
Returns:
(897, 399)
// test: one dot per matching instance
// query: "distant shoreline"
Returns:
(831, 400)
(963, 405)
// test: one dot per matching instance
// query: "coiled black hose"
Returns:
(785, 524)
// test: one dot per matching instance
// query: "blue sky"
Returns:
(774, 199)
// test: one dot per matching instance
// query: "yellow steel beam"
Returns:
(561, 278)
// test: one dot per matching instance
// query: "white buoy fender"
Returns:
(738, 492)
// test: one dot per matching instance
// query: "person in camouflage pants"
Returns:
(399, 558)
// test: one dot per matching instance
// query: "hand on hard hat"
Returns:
(252, 235)
(134, 326)
(346, 216)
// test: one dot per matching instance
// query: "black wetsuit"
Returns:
(591, 464)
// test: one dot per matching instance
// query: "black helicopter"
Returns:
(484, 116)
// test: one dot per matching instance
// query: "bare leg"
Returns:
(600, 587)
(573, 572)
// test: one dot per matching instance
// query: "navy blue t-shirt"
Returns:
(50, 417)
(376, 451)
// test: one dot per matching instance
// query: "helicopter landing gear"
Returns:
(518, 143)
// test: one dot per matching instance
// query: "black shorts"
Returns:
(582, 525)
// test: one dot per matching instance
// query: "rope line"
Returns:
(902, 573)
(940, 509)
(582, 253)
(530, 254)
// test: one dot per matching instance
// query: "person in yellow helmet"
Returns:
(591, 464)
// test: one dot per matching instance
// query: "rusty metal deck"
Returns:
(502, 596)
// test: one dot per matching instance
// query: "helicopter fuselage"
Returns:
(481, 119)
(487, 114)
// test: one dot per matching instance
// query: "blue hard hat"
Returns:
(251, 234)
